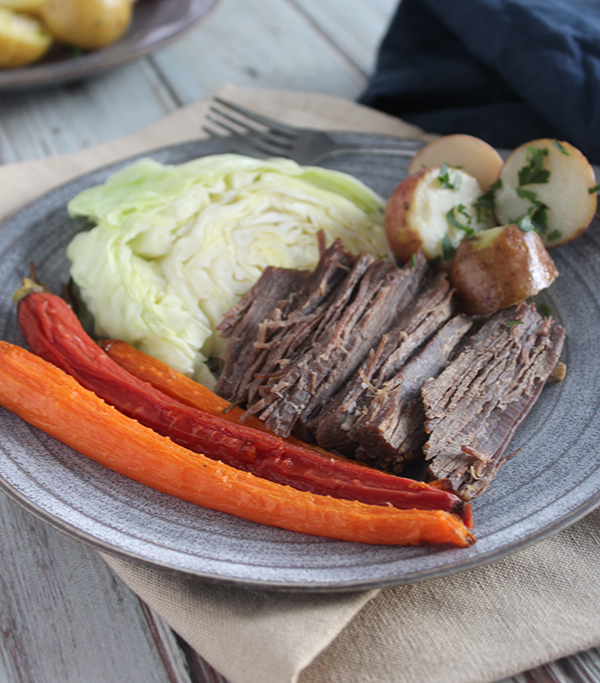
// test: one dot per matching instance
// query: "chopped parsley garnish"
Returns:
(413, 259)
(537, 214)
(525, 224)
(545, 310)
(513, 322)
(534, 172)
(446, 182)
(448, 249)
(539, 217)
(486, 203)
(455, 221)
(527, 194)
(554, 235)
(594, 189)
(560, 148)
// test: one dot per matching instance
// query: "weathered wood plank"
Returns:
(583, 667)
(64, 616)
(355, 27)
(40, 123)
(268, 44)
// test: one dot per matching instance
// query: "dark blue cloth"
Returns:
(507, 71)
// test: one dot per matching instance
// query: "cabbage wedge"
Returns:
(175, 247)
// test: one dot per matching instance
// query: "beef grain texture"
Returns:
(242, 323)
(474, 407)
(422, 318)
(306, 385)
(391, 431)
(270, 324)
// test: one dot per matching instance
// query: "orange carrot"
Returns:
(48, 398)
(185, 390)
(54, 333)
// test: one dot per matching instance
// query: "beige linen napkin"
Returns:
(477, 626)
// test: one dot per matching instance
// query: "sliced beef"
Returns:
(475, 406)
(298, 332)
(422, 318)
(241, 323)
(338, 347)
(391, 430)
(285, 322)
(360, 357)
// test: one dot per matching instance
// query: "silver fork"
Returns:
(247, 132)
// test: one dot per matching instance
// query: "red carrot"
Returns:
(54, 333)
(51, 400)
(185, 390)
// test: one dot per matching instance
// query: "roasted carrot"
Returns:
(51, 400)
(185, 390)
(54, 333)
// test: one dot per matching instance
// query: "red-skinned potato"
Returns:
(471, 154)
(558, 176)
(416, 215)
(500, 267)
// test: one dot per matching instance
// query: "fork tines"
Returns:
(268, 135)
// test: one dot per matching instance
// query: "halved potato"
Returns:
(22, 39)
(548, 182)
(471, 154)
(432, 211)
(500, 267)
(87, 24)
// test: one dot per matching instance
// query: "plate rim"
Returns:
(314, 587)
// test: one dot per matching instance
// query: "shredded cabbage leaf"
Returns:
(175, 247)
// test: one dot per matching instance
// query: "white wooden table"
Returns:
(64, 616)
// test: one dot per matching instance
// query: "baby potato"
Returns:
(28, 6)
(500, 267)
(547, 182)
(471, 154)
(432, 211)
(87, 24)
(22, 39)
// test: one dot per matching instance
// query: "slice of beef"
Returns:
(303, 327)
(422, 318)
(391, 431)
(475, 406)
(300, 303)
(241, 323)
(339, 348)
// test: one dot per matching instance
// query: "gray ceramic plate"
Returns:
(551, 482)
(155, 24)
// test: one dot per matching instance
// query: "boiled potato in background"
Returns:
(23, 39)
(87, 24)
(83, 24)
(28, 6)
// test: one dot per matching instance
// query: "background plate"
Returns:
(155, 24)
(551, 482)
